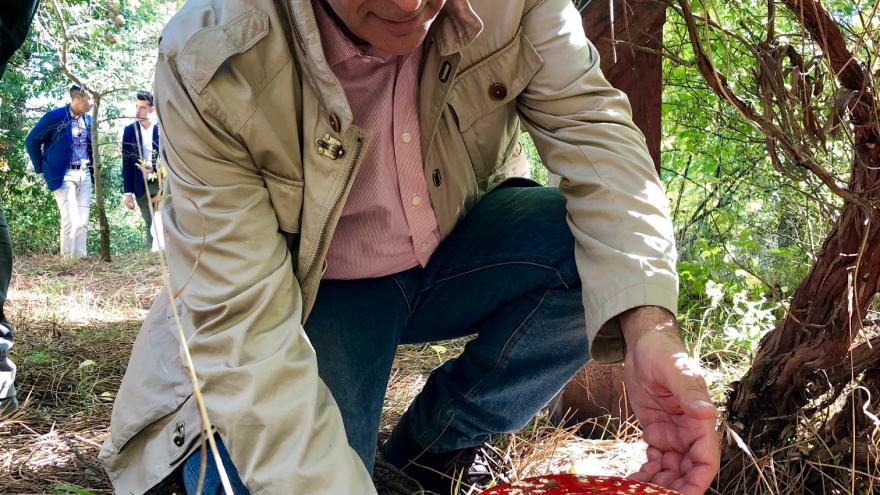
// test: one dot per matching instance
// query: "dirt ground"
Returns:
(75, 324)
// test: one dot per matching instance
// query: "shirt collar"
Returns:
(456, 27)
(72, 116)
(338, 47)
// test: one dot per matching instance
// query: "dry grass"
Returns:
(808, 466)
(75, 324)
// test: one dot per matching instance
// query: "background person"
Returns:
(60, 148)
(140, 151)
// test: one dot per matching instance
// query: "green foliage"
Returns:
(538, 170)
(66, 489)
(37, 358)
(725, 308)
(749, 223)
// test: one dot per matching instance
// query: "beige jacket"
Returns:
(261, 152)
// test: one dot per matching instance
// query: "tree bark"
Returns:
(629, 39)
(104, 225)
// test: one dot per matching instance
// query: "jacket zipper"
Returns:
(323, 236)
(299, 37)
(291, 19)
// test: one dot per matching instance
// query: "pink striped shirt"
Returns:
(388, 223)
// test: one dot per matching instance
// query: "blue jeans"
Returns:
(189, 473)
(507, 274)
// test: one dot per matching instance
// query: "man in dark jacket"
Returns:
(60, 147)
(15, 20)
(140, 150)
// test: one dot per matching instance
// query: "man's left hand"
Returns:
(669, 396)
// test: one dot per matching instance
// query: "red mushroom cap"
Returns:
(569, 484)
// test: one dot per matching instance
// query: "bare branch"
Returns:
(65, 69)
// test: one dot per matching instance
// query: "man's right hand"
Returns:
(128, 201)
(669, 396)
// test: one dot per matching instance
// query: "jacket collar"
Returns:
(456, 27)
(152, 129)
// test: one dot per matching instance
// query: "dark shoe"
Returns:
(458, 472)
(392, 481)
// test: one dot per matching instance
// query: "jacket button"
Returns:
(437, 178)
(334, 122)
(497, 91)
(179, 437)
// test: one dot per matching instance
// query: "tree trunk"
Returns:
(104, 226)
(629, 39)
(812, 351)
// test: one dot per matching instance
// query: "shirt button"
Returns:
(425, 247)
(416, 200)
(406, 137)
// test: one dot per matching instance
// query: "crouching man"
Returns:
(363, 147)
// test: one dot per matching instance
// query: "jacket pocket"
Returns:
(484, 103)
(206, 51)
(286, 196)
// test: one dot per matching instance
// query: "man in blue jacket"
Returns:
(140, 149)
(60, 147)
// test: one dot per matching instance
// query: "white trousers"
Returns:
(158, 232)
(73, 199)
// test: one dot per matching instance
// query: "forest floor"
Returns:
(76, 322)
